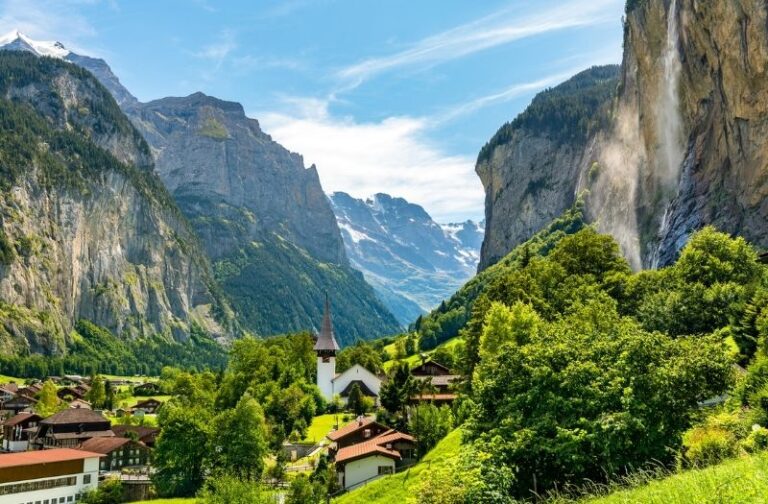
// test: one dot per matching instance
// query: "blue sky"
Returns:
(383, 96)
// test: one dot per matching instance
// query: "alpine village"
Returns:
(188, 315)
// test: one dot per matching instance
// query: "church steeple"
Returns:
(326, 341)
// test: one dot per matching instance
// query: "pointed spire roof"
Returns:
(326, 340)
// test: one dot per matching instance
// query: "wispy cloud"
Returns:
(499, 28)
(393, 155)
(218, 50)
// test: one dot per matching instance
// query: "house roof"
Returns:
(11, 388)
(351, 428)
(75, 415)
(375, 446)
(363, 450)
(147, 402)
(143, 433)
(60, 436)
(423, 367)
(44, 457)
(21, 417)
(104, 445)
(363, 388)
(326, 340)
(79, 403)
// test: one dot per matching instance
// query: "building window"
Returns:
(86, 479)
(385, 470)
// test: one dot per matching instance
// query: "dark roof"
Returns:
(75, 415)
(352, 428)
(423, 368)
(363, 388)
(147, 402)
(143, 433)
(326, 339)
(104, 445)
(20, 418)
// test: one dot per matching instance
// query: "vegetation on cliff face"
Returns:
(567, 113)
(72, 250)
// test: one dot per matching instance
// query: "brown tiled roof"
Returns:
(74, 415)
(423, 367)
(147, 402)
(104, 445)
(79, 403)
(375, 446)
(349, 429)
(21, 417)
(9, 387)
(44, 457)
(141, 432)
(362, 450)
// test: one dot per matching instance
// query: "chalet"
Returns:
(145, 435)
(148, 406)
(378, 456)
(48, 476)
(82, 389)
(330, 383)
(30, 390)
(19, 404)
(118, 452)
(359, 431)
(70, 393)
(71, 427)
(436, 380)
(7, 392)
(18, 430)
(146, 389)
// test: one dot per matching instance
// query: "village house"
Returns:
(330, 383)
(80, 403)
(436, 380)
(118, 452)
(71, 427)
(69, 393)
(18, 404)
(48, 476)
(147, 406)
(18, 430)
(379, 456)
(145, 435)
(7, 392)
(359, 431)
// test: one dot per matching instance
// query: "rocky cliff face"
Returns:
(412, 262)
(531, 168)
(262, 217)
(87, 230)
(684, 146)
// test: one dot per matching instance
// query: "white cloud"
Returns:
(219, 50)
(392, 156)
(496, 29)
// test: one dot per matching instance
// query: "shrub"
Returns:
(706, 445)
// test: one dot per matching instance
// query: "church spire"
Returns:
(326, 341)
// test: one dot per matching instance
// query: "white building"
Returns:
(58, 476)
(379, 456)
(331, 384)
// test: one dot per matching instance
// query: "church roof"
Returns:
(326, 340)
(363, 388)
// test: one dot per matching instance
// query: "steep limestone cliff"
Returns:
(87, 231)
(258, 212)
(684, 146)
(530, 169)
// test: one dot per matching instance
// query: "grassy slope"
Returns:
(401, 486)
(738, 481)
(322, 425)
(415, 359)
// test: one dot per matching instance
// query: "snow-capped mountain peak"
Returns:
(18, 41)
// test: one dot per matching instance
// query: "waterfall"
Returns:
(669, 124)
(669, 120)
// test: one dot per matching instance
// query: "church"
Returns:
(332, 384)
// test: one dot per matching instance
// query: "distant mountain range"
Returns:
(411, 261)
(271, 247)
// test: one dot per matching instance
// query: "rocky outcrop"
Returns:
(412, 262)
(87, 230)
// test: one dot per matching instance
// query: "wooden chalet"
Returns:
(117, 452)
(359, 431)
(71, 427)
(147, 406)
(18, 430)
